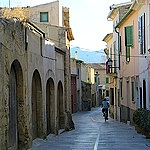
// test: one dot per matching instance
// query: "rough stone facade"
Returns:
(86, 96)
(33, 79)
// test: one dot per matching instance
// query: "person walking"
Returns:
(105, 106)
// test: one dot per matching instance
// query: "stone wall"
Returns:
(29, 61)
(86, 96)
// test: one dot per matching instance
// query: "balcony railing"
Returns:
(111, 69)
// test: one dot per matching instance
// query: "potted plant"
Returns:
(141, 119)
(137, 116)
(145, 123)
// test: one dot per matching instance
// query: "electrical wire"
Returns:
(130, 55)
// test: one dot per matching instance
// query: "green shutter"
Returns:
(132, 90)
(107, 80)
(129, 36)
(128, 53)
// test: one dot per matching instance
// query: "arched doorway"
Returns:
(16, 108)
(50, 106)
(60, 106)
(37, 113)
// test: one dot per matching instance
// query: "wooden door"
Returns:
(12, 133)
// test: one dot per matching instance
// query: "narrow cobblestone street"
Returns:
(93, 133)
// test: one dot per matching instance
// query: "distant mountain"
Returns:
(88, 56)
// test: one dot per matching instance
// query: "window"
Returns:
(121, 88)
(127, 53)
(132, 86)
(26, 39)
(107, 80)
(128, 41)
(43, 16)
(141, 33)
(98, 81)
(111, 57)
(115, 57)
(107, 93)
(129, 36)
(78, 73)
(111, 52)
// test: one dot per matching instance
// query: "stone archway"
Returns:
(17, 122)
(60, 106)
(37, 111)
(50, 106)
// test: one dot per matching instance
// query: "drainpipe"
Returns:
(118, 47)
(116, 113)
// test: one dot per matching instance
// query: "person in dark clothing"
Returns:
(105, 106)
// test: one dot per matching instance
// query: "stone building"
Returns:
(54, 20)
(32, 85)
(74, 85)
(100, 81)
(34, 78)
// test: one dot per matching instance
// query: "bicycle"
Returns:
(105, 115)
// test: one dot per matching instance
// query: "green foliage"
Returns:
(137, 115)
(141, 117)
(146, 122)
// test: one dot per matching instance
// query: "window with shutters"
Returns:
(129, 36)
(128, 41)
(107, 80)
(115, 57)
(127, 53)
(111, 57)
(43, 16)
(141, 34)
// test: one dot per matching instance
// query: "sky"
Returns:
(88, 19)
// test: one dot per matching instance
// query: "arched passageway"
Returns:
(50, 106)
(60, 106)
(17, 125)
(37, 111)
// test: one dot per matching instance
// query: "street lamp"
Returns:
(109, 65)
(109, 62)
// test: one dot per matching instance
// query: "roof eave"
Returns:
(124, 18)
(108, 37)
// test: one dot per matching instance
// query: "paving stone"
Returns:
(93, 133)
